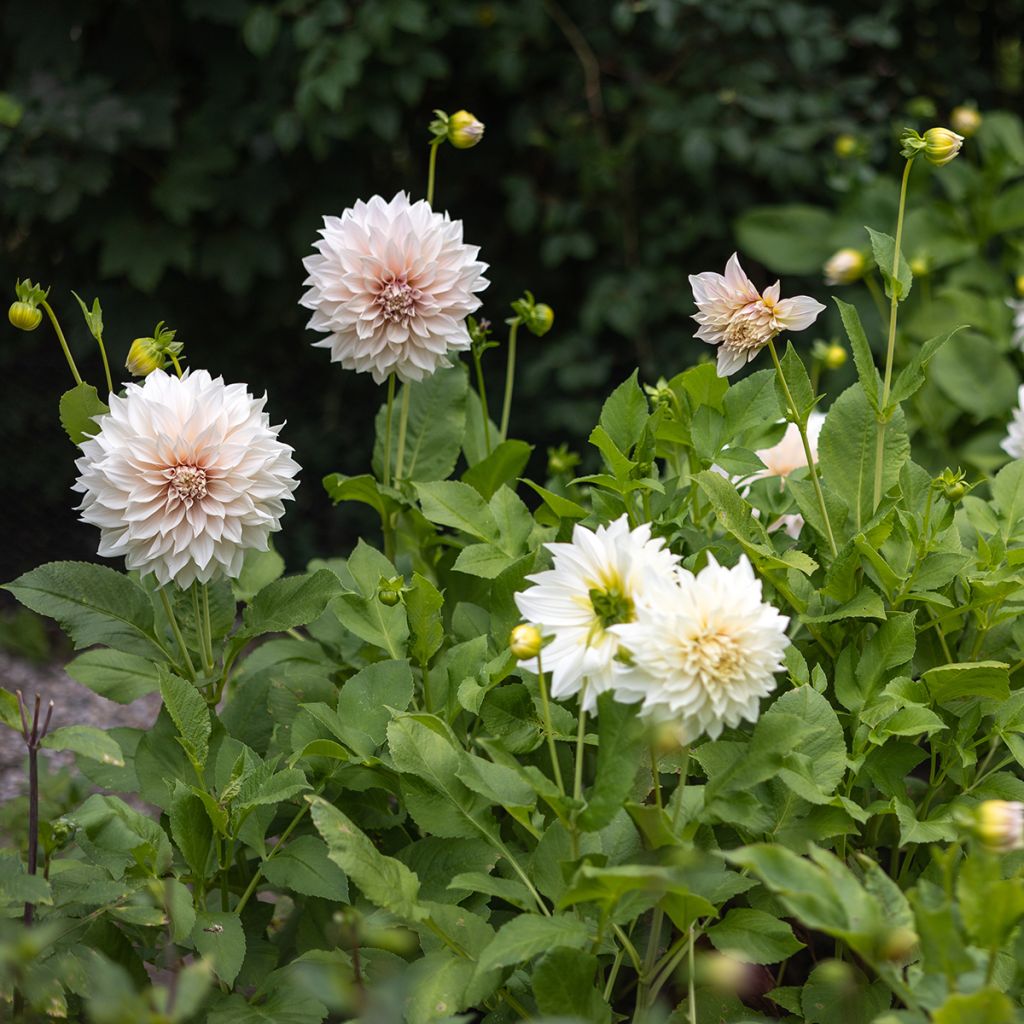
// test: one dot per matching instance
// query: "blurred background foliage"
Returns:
(174, 157)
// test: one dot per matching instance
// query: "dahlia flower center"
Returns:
(744, 332)
(716, 653)
(188, 482)
(397, 300)
(611, 606)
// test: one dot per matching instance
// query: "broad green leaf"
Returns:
(383, 880)
(754, 937)
(79, 409)
(115, 675)
(18, 886)
(487, 561)
(458, 505)
(911, 378)
(505, 464)
(88, 741)
(363, 612)
(423, 604)
(219, 935)
(290, 602)
(988, 1005)
(189, 712)
(93, 604)
(832, 984)
(620, 745)
(870, 378)
(259, 570)
(939, 828)
(303, 865)
(437, 987)
(364, 489)
(563, 507)
(283, 1007)
(799, 384)
(366, 699)
(968, 679)
(1008, 495)
(564, 986)
(9, 713)
(524, 937)
(790, 238)
(191, 829)
(976, 376)
(897, 283)
(625, 413)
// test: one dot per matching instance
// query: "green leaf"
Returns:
(303, 865)
(831, 985)
(364, 489)
(790, 238)
(620, 744)
(88, 741)
(976, 376)
(115, 675)
(754, 937)
(366, 700)
(484, 560)
(563, 985)
(524, 937)
(884, 248)
(504, 464)
(870, 378)
(384, 881)
(847, 450)
(968, 679)
(423, 604)
(79, 409)
(911, 378)
(282, 1007)
(458, 505)
(988, 1005)
(625, 413)
(9, 713)
(799, 383)
(188, 710)
(219, 936)
(289, 602)
(93, 604)
(1008, 495)
(563, 507)
(437, 987)
(191, 829)
(436, 427)
(259, 570)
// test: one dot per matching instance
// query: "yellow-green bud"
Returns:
(561, 460)
(722, 972)
(525, 641)
(953, 484)
(941, 145)
(966, 120)
(897, 945)
(835, 356)
(919, 266)
(1000, 825)
(845, 146)
(844, 267)
(541, 320)
(144, 357)
(24, 316)
(1020, 284)
(464, 130)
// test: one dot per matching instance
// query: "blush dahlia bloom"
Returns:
(1013, 443)
(391, 283)
(705, 656)
(740, 320)
(184, 476)
(603, 578)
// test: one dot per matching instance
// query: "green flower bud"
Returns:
(835, 356)
(897, 945)
(389, 591)
(1020, 284)
(941, 145)
(542, 319)
(464, 130)
(1000, 825)
(24, 316)
(919, 266)
(144, 357)
(844, 267)
(966, 120)
(953, 484)
(525, 641)
(845, 146)
(561, 460)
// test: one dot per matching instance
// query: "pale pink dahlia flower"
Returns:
(740, 320)
(183, 476)
(391, 283)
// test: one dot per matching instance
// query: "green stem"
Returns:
(691, 993)
(894, 302)
(106, 365)
(801, 425)
(63, 343)
(577, 785)
(656, 778)
(483, 398)
(251, 888)
(200, 631)
(387, 431)
(510, 376)
(549, 731)
(432, 169)
(630, 949)
(644, 998)
(207, 627)
(403, 422)
(176, 630)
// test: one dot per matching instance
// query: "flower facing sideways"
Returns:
(183, 476)
(603, 579)
(740, 320)
(391, 284)
(706, 654)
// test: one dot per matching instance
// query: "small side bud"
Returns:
(24, 316)
(999, 824)
(952, 484)
(844, 267)
(846, 146)
(941, 145)
(525, 641)
(537, 316)
(390, 591)
(464, 130)
(965, 120)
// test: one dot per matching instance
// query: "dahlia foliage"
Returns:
(719, 719)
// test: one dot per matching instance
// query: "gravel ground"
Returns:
(74, 705)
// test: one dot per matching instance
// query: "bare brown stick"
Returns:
(33, 740)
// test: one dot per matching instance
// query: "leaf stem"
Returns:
(432, 170)
(207, 627)
(481, 388)
(176, 630)
(176, 364)
(510, 376)
(801, 425)
(63, 342)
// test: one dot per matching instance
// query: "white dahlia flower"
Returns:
(1017, 305)
(1013, 443)
(740, 320)
(603, 578)
(784, 458)
(183, 476)
(391, 283)
(707, 655)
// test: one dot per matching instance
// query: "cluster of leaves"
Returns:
(189, 150)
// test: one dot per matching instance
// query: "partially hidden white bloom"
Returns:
(706, 655)
(603, 578)
(1013, 443)
(740, 320)
(183, 476)
(391, 283)
(1000, 825)
(784, 458)
(844, 266)
(1017, 305)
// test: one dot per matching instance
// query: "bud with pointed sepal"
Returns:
(24, 313)
(464, 130)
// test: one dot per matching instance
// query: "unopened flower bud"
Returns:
(464, 130)
(919, 266)
(835, 356)
(966, 120)
(1020, 284)
(561, 460)
(953, 484)
(897, 945)
(144, 357)
(844, 267)
(389, 597)
(389, 591)
(541, 320)
(845, 146)
(525, 641)
(723, 973)
(941, 145)
(1000, 825)
(24, 316)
